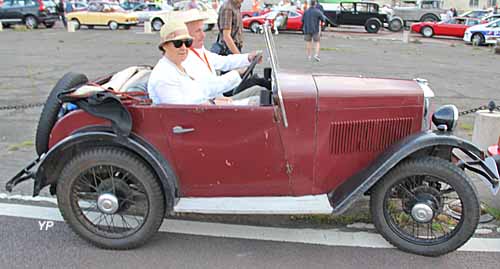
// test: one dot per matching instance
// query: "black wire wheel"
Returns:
(412, 207)
(110, 198)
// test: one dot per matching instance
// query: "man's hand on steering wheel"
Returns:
(248, 72)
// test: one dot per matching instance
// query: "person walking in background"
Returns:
(192, 5)
(60, 12)
(255, 7)
(311, 25)
(231, 26)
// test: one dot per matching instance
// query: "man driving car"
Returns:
(201, 63)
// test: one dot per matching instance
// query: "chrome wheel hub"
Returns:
(107, 203)
(422, 213)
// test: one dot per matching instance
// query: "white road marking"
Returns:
(330, 237)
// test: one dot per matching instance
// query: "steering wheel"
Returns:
(248, 72)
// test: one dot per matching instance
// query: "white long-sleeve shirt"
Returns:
(169, 85)
(197, 68)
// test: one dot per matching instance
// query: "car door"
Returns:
(226, 150)
(294, 21)
(362, 13)
(347, 13)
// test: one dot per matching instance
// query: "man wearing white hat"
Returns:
(202, 64)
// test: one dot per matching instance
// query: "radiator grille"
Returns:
(367, 135)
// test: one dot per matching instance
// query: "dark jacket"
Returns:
(311, 19)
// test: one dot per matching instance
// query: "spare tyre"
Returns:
(51, 109)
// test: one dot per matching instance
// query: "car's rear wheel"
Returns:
(76, 23)
(429, 17)
(51, 109)
(396, 25)
(156, 24)
(254, 27)
(477, 39)
(49, 24)
(373, 25)
(31, 22)
(427, 31)
(113, 25)
(414, 207)
(110, 198)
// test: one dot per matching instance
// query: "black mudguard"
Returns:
(354, 187)
(51, 164)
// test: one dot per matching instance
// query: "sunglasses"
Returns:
(186, 42)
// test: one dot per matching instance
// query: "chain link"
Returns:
(21, 106)
(491, 106)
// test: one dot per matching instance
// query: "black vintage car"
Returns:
(364, 14)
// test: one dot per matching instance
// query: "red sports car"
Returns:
(293, 20)
(249, 13)
(455, 27)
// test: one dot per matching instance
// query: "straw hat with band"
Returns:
(193, 15)
(173, 30)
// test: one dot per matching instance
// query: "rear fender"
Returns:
(51, 165)
(422, 144)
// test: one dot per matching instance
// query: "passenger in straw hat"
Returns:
(170, 83)
(201, 63)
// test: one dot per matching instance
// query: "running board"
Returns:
(275, 205)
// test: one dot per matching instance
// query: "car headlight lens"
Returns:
(445, 118)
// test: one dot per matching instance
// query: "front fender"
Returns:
(353, 188)
(51, 165)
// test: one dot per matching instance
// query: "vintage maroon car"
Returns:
(456, 27)
(293, 20)
(315, 145)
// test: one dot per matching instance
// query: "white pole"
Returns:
(147, 27)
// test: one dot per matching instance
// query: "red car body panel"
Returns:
(443, 29)
(335, 130)
(292, 23)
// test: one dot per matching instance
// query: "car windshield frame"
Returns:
(271, 49)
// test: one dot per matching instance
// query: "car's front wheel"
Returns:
(110, 198)
(477, 39)
(113, 25)
(156, 24)
(415, 207)
(427, 31)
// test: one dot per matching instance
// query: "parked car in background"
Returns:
(363, 14)
(129, 5)
(419, 10)
(103, 14)
(31, 13)
(483, 34)
(478, 13)
(490, 18)
(456, 27)
(158, 19)
(292, 20)
(80, 6)
(248, 14)
(146, 10)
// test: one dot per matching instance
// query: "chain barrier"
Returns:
(21, 106)
(491, 106)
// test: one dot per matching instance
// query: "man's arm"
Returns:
(214, 86)
(229, 62)
(226, 36)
